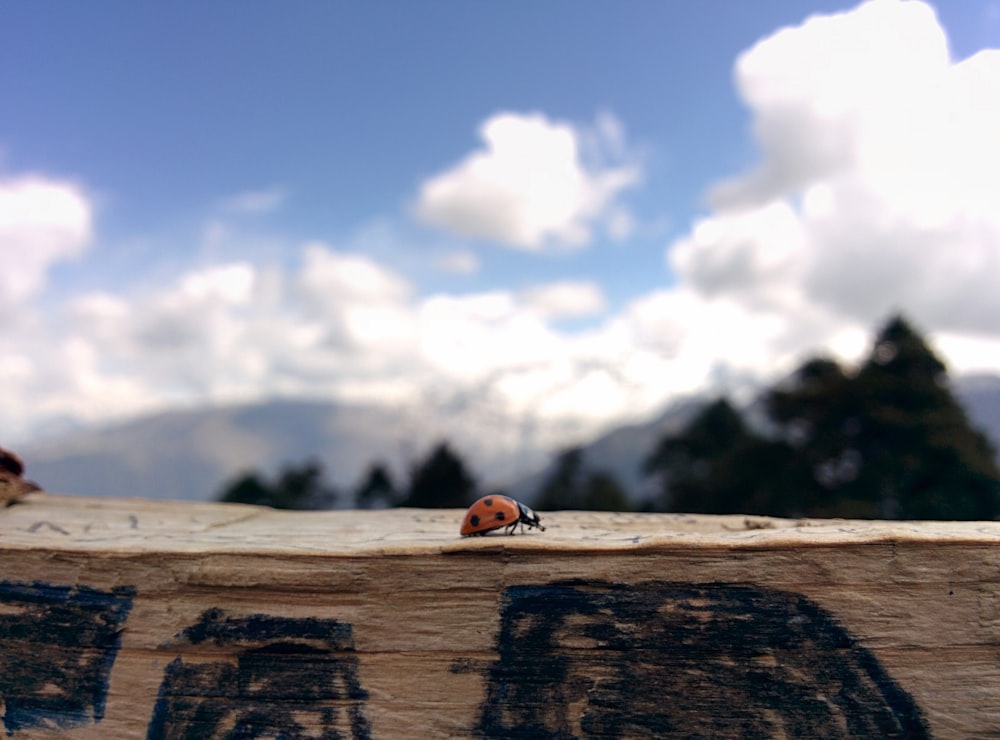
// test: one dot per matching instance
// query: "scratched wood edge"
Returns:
(142, 525)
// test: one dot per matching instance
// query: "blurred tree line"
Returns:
(886, 440)
(441, 480)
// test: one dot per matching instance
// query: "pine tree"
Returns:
(441, 481)
(890, 441)
(376, 487)
(559, 491)
(887, 441)
(295, 487)
(603, 493)
(571, 487)
(920, 456)
(248, 488)
(694, 466)
(818, 416)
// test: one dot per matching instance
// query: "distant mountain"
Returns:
(620, 452)
(190, 454)
(980, 395)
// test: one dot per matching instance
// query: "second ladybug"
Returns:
(496, 512)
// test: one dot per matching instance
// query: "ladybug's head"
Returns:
(529, 517)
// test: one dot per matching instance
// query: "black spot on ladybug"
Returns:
(499, 516)
(684, 660)
(487, 502)
(474, 520)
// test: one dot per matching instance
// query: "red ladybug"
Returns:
(495, 512)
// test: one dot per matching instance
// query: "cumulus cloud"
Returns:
(42, 222)
(877, 186)
(222, 333)
(476, 335)
(332, 278)
(531, 186)
(565, 299)
(337, 325)
(876, 191)
(169, 344)
(459, 262)
(819, 91)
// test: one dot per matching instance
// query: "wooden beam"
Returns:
(133, 618)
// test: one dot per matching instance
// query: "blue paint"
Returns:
(57, 647)
(683, 660)
(222, 629)
(280, 675)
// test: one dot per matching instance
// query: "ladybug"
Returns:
(494, 512)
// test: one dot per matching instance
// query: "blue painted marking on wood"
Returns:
(683, 660)
(287, 673)
(57, 647)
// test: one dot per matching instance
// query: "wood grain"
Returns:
(133, 618)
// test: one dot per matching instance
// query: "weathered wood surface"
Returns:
(131, 618)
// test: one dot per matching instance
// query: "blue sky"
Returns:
(244, 189)
(346, 107)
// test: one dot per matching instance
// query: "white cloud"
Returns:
(231, 283)
(459, 262)
(878, 185)
(816, 92)
(876, 191)
(475, 336)
(331, 277)
(337, 325)
(744, 253)
(42, 222)
(173, 343)
(565, 299)
(530, 187)
(340, 325)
